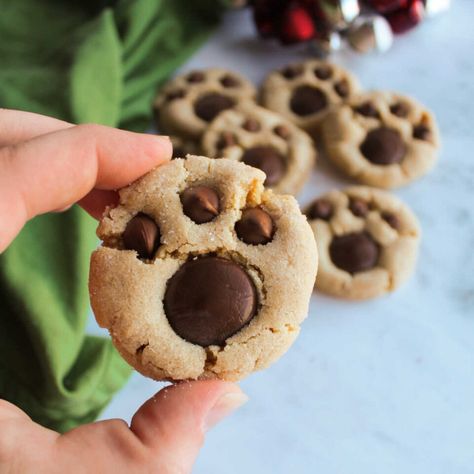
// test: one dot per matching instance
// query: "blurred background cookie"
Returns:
(382, 139)
(304, 92)
(186, 104)
(367, 241)
(265, 140)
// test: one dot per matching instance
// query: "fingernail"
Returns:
(223, 407)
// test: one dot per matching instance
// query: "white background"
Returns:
(384, 386)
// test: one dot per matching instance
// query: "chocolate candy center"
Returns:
(200, 204)
(208, 106)
(196, 76)
(225, 140)
(307, 100)
(422, 132)
(290, 72)
(323, 72)
(267, 159)
(142, 235)
(391, 219)
(320, 209)
(342, 88)
(230, 81)
(358, 207)
(255, 227)
(383, 146)
(209, 299)
(354, 253)
(367, 109)
(251, 125)
(399, 109)
(282, 132)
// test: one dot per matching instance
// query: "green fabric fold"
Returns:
(83, 62)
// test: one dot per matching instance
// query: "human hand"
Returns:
(48, 165)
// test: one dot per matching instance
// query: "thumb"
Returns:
(173, 423)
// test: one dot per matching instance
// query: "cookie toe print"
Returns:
(266, 141)
(188, 103)
(382, 139)
(305, 92)
(202, 273)
(367, 242)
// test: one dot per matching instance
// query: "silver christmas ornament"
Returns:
(322, 48)
(340, 13)
(370, 33)
(434, 7)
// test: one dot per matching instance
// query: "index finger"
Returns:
(56, 170)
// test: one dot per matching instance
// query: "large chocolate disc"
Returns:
(209, 299)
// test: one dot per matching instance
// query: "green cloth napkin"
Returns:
(81, 61)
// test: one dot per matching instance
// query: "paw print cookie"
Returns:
(202, 273)
(367, 242)
(382, 139)
(265, 140)
(305, 92)
(188, 103)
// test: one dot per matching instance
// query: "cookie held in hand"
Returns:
(202, 273)
(367, 241)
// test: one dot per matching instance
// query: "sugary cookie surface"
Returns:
(382, 139)
(202, 273)
(188, 103)
(367, 242)
(265, 140)
(305, 92)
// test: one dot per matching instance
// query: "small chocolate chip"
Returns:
(225, 140)
(358, 207)
(421, 132)
(142, 235)
(383, 146)
(367, 109)
(290, 72)
(251, 125)
(282, 131)
(208, 106)
(255, 227)
(400, 109)
(323, 72)
(177, 94)
(391, 219)
(267, 159)
(195, 76)
(178, 152)
(230, 81)
(209, 299)
(200, 203)
(355, 252)
(307, 100)
(320, 209)
(342, 88)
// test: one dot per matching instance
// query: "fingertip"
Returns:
(160, 148)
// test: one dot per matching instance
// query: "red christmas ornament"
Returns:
(406, 18)
(297, 25)
(387, 6)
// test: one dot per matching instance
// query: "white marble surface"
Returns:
(384, 386)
